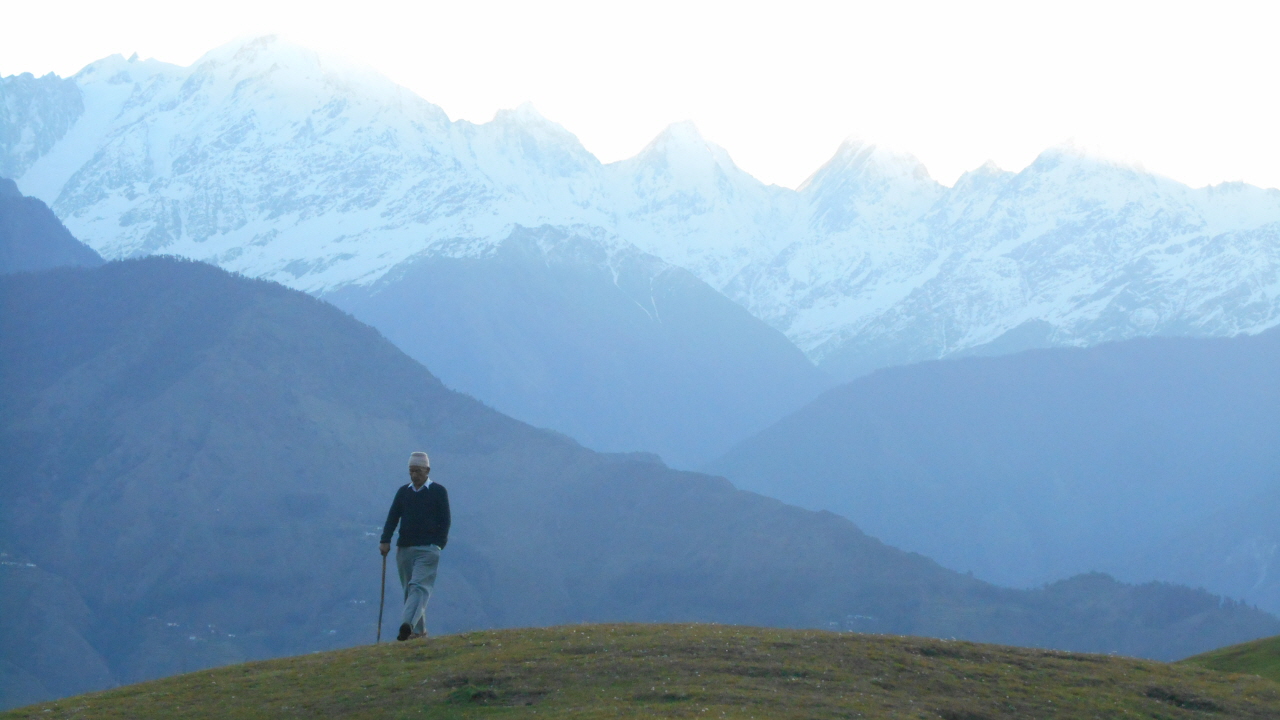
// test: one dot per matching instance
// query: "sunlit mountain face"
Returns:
(273, 161)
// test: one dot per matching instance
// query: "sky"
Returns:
(1186, 90)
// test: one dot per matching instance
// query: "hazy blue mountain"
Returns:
(32, 238)
(1152, 459)
(618, 349)
(196, 465)
(1233, 550)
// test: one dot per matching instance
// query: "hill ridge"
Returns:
(592, 671)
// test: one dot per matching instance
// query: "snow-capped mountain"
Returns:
(683, 199)
(1073, 250)
(279, 163)
(503, 256)
(272, 161)
(855, 249)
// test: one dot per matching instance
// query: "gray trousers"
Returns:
(417, 566)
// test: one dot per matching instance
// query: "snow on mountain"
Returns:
(280, 163)
(1075, 250)
(856, 249)
(276, 162)
(683, 199)
(35, 113)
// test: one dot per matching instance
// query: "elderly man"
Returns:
(422, 510)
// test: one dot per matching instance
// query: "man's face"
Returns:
(418, 474)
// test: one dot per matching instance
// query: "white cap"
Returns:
(419, 459)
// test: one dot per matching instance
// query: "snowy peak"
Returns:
(1069, 187)
(682, 174)
(681, 151)
(1072, 163)
(281, 63)
(870, 163)
(1070, 171)
(974, 193)
(279, 162)
(681, 166)
(527, 116)
(525, 136)
(863, 182)
(982, 176)
(683, 199)
(115, 69)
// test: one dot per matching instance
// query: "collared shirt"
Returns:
(425, 485)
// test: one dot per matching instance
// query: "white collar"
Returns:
(425, 485)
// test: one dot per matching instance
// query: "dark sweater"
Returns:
(423, 516)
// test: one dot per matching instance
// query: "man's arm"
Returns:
(445, 517)
(393, 519)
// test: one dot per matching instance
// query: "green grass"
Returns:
(1260, 657)
(685, 671)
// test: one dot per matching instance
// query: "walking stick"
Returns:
(383, 599)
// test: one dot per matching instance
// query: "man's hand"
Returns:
(384, 548)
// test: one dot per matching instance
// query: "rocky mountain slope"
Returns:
(1151, 458)
(269, 160)
(197, 466)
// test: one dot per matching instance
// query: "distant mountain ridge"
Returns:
(1150, 458)
(272, 161)
(616, 348)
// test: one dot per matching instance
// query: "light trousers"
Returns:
(417, 566)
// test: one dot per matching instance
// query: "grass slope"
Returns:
(1260, 657)
(704, 671)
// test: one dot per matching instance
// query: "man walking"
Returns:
(422, 510)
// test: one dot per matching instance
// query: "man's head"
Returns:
(419, 467)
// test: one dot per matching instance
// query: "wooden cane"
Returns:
(382, 600)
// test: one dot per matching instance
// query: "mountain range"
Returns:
(273, 161)
(197, 465)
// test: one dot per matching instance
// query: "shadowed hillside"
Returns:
(32, 238)
(1148, 459)
(616, 348)
(682, 671)
(196, 466)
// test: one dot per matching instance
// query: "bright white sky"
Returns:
(1188, 89)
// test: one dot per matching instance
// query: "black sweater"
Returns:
(423, 516)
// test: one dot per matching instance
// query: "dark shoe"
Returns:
(405, 632)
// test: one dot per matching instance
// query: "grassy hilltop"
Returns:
(1260, 657)
(703, 671)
